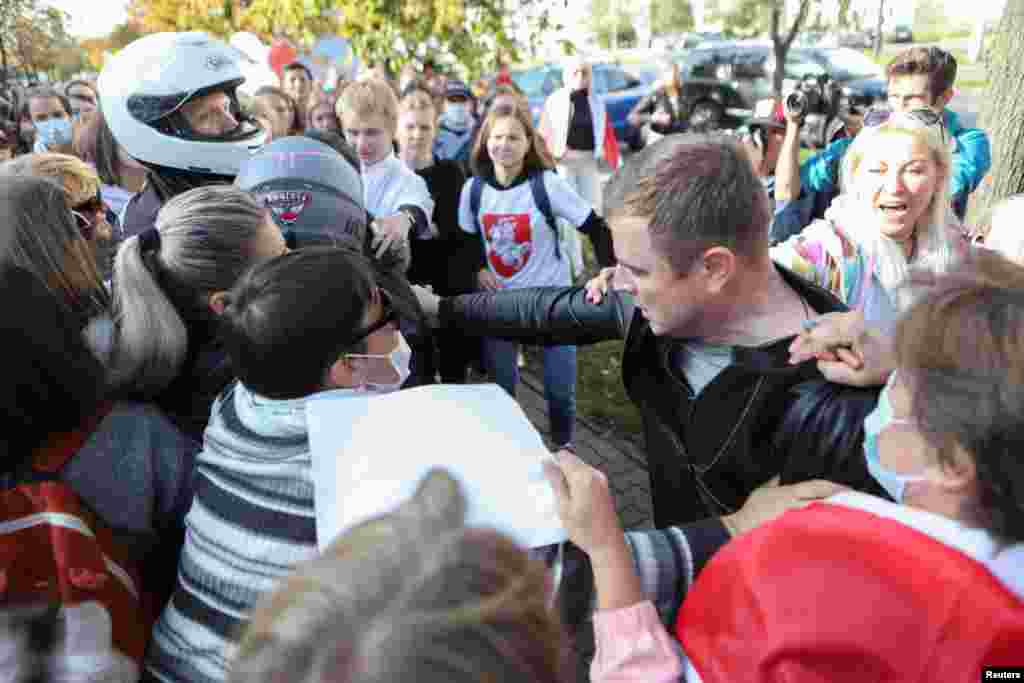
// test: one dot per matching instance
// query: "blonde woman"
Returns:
(893, 215)
(78, 179)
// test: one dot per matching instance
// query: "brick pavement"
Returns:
(621, 460)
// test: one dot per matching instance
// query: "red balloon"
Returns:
(282, 53)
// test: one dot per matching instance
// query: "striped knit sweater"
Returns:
(251, 522)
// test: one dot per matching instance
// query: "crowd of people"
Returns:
(826, 359)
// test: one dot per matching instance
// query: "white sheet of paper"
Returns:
(370, 452)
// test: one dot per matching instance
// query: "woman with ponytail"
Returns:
(170, 286)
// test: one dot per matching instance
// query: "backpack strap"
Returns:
(543, 202)
(476, 190)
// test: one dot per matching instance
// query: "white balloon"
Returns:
(252, 46)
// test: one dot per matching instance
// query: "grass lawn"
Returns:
(600, 396)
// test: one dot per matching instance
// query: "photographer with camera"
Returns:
(920, 77)
(772, 142)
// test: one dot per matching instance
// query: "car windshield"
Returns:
(538, 82)
(847, 64)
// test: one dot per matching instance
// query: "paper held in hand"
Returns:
(370, 452)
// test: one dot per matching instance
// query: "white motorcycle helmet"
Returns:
(144, 86)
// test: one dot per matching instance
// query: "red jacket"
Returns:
(836, 593)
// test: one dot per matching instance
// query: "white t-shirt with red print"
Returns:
(520, 245)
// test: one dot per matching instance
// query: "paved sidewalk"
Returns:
(621, 460)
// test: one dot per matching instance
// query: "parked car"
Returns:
(860, 40)
(727, 79)
(815, 39)
(620, 90)
(901, 33)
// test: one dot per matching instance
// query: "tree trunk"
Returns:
(3, 61)
(781, 41)
(1002, 114)
(879, 37)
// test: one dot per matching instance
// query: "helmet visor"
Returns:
(160, 111)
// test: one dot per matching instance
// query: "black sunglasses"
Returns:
(878, 116)
(82, 212)
(388, 316)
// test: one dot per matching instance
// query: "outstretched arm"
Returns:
(820, 172)
(549, 316)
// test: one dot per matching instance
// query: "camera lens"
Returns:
(796, 103)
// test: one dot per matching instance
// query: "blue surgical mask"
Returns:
(877, 421)
(52, 132)
(457, 115)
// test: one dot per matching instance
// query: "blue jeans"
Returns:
(559, 381)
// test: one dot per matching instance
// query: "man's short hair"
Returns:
(936, 63)
(45, 92)
(297, 66)
(288, 320)
(697, 191)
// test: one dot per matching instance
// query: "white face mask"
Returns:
(399, 358)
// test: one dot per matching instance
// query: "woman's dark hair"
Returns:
(52, 381)
(41, 236)
(95, 144)
(289, 319)
(960, 350)
(537, 159)
(336, 142)
(821, 436)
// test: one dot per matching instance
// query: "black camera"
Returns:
(814, 95)
(817, 100)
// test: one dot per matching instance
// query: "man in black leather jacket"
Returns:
(706, 316)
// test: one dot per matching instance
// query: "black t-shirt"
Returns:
(581, 122)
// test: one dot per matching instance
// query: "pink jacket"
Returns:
(633, 645)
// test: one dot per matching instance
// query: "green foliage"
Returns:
(845, 20)
(743, 18)
(10, 12)
(34, 40)
(300, 20)
(610, 21)
(671, 16)
(471, 32)
(931, 24)
(217, 17)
